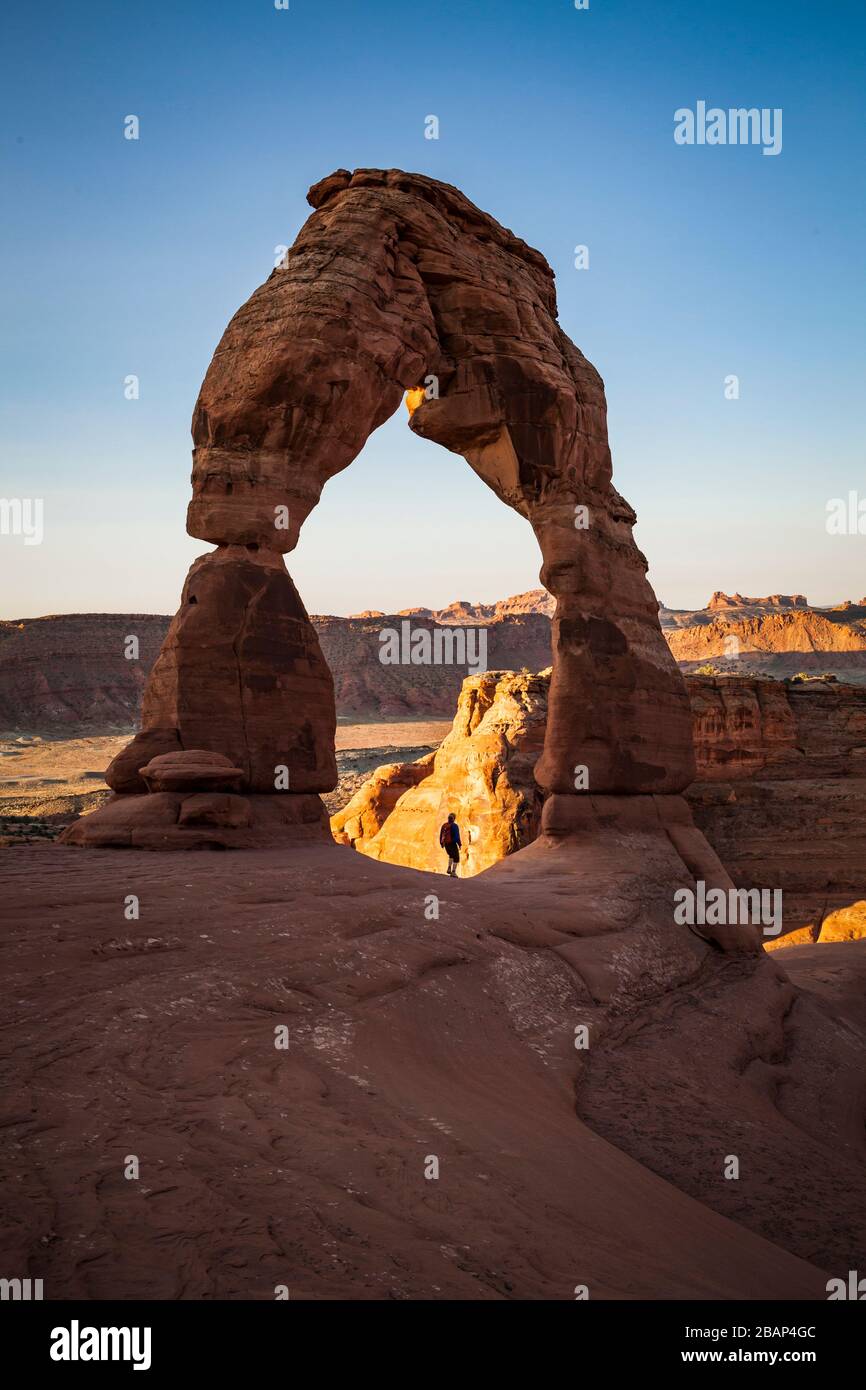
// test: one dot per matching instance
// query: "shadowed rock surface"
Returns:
(781, 789)
(410, 1037)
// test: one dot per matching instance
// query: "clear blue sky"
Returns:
(123, 257)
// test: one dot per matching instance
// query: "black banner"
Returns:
(243, 1339)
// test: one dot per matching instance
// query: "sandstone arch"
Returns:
(395, 278)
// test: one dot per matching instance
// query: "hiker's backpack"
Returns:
(445, 834)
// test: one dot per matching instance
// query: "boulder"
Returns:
(123, 773)
(192, 769)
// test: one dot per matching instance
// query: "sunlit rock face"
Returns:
(482, 771)
(398, 283)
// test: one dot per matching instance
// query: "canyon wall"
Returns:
(781, 789)
(69, 672)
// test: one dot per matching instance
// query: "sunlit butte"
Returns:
(414, 398)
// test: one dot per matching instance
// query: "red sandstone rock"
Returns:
(463, 613)
(71, 670)
(721, 602)
(123, 817)
(67, 672)
(359, 821)
(845, 924)
(745, 727)
(411, 1035)
(212, 809)
(191, 770)
(123, 773)
(174, 820)
(241, 673)
(781, 788)
(482, 771)
(742, 726)
(363, 684)
(394, 279)
(760, 634)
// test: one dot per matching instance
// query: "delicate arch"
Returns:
(395, 279)
(393, 282)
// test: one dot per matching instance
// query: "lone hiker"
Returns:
(449, 839)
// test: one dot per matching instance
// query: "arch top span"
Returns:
(394, 280)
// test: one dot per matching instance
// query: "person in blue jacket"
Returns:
(449, 839)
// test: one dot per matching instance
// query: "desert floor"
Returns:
(417, 1138)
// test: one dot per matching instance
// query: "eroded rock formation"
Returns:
(398, 283)
(807, 638)
(482, 771)
(398, 280)
(71, 673)
(240, 676)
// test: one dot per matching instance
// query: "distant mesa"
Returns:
(724, 601)
(461, 612)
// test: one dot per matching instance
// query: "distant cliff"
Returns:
(776, 636)
(71, 672)
(461, 612)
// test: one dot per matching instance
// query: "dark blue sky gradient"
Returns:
(126, 257)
